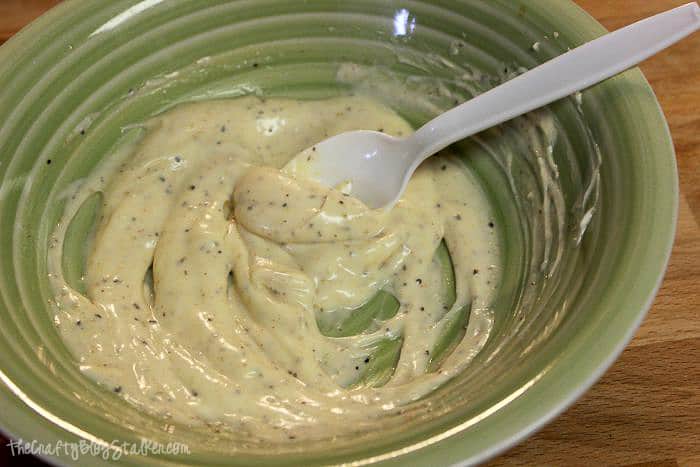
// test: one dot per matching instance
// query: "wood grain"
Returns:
(15, 14)
(646, 410)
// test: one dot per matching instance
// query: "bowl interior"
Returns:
(81, 75)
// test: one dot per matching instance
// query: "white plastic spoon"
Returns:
(378, 166)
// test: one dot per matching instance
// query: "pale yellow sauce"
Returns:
(245, 258)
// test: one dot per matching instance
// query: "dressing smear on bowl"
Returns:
(219, 289)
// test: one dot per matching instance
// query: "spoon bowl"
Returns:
(370, 165)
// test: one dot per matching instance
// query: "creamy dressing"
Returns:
(211, 270)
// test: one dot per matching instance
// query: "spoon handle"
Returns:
(572, 71)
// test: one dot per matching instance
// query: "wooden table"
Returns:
(646, 409)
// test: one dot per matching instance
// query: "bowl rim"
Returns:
(510, 423)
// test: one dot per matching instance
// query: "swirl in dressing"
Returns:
(211, 271)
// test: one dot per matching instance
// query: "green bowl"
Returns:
(75, 79)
